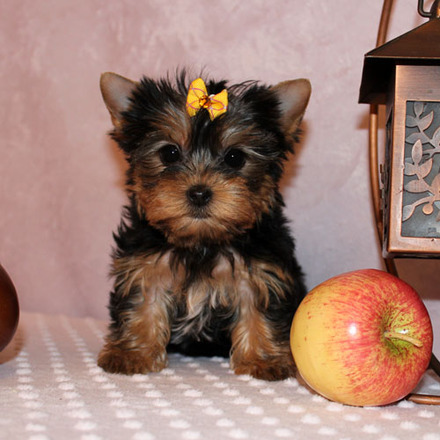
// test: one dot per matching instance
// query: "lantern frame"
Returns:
(386, 71)
(382, 98)
(412, 89)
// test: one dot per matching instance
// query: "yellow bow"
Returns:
(198, 98)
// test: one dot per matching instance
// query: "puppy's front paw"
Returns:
(116, 360)
(271, 368)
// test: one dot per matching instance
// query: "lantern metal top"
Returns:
(420, 46)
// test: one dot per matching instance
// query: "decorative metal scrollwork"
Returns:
(421, 167)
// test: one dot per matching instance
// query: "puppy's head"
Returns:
(199, 178)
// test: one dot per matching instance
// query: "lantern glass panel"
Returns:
(421, 180)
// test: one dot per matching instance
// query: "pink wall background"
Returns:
(61, 176)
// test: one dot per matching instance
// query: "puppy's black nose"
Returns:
(199, 195)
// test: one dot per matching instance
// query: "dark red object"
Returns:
(9, 309)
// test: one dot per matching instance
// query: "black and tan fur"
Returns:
(204, 262)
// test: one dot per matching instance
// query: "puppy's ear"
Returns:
(116, 91)
(293, 97)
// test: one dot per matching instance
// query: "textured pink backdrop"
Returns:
(61, 177)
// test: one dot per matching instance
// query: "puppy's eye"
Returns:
(169, 154)
(235, 158)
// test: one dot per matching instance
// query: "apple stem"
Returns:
(403, 337)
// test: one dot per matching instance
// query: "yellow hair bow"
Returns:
(198, 98)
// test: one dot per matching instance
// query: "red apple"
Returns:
(9, 310)
(363, 338)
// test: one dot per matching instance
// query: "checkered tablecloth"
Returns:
(51, 388)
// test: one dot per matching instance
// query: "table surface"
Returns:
(51, 388)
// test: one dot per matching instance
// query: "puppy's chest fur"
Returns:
(208, 300)
(204, 299)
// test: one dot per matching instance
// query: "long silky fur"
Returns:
(220, 282)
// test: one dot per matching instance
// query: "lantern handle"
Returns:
(434, 12)
(373, 142)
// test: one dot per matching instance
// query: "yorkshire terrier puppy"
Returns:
(204, 262)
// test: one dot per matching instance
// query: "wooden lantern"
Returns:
(404, 75)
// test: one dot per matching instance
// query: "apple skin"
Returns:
(9, 309)
(343, 338)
